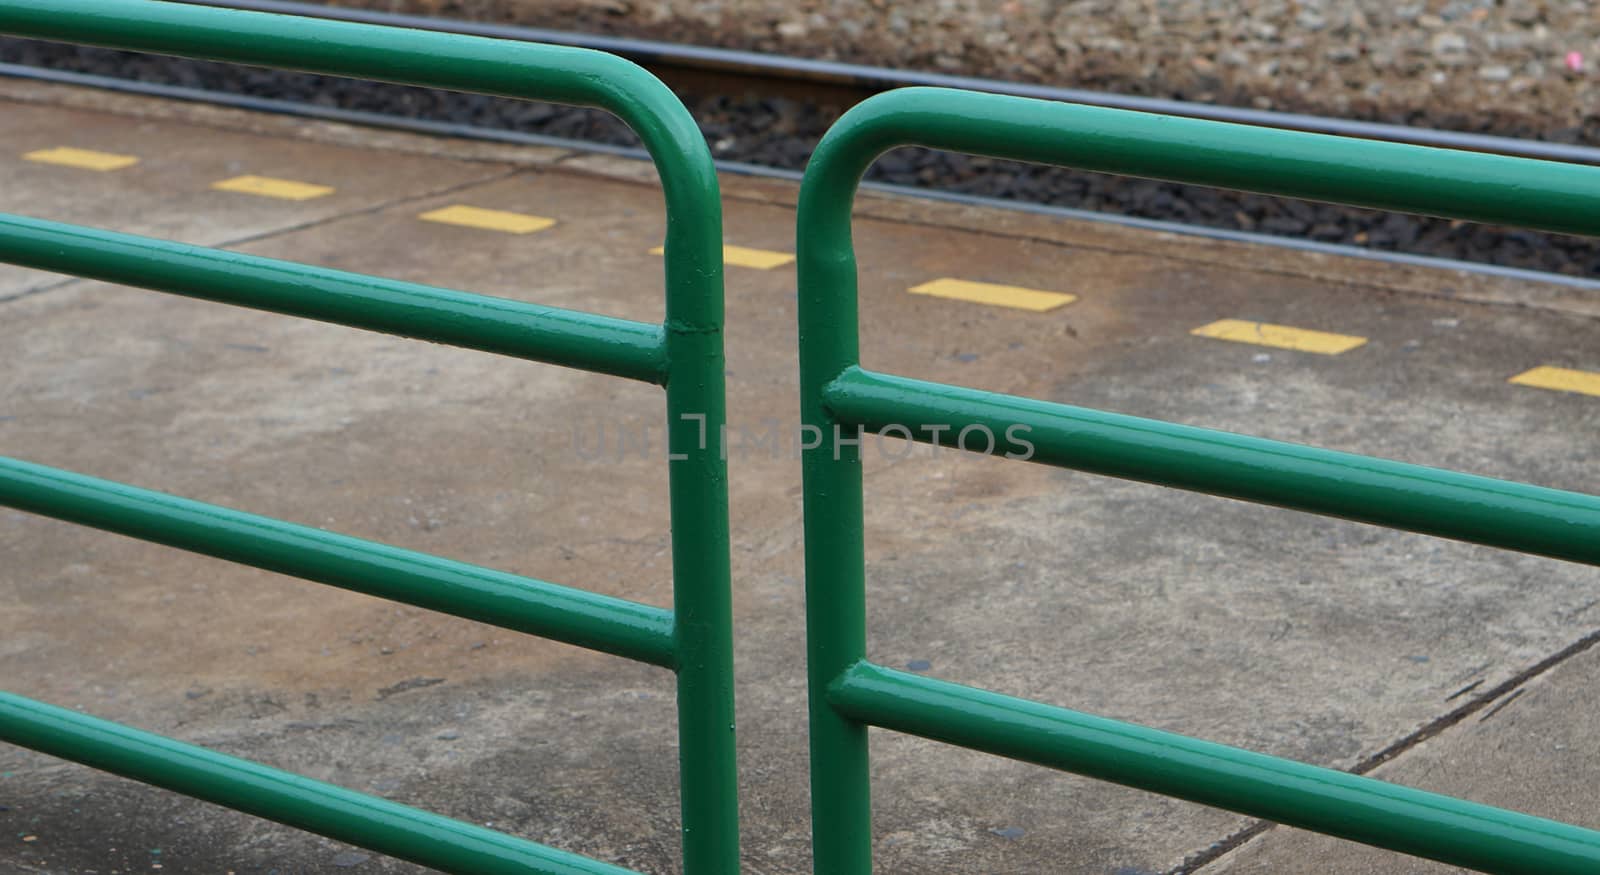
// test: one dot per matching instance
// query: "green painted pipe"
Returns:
(1548, 195)
(599, 622)
(565, 337)
(1325, 800)
(836, 393)
(345, 815)
(1482, 510)
(688, 360)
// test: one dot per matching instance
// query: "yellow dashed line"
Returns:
(761, 259)
(740, 256)
(1560, 379)
(989, 293)
(488, 220)
(83, 159)
(1279, 336)
(283, 189)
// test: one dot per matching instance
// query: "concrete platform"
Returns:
(1329, 642)
(1532, 750)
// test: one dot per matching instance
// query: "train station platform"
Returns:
(1434, 664)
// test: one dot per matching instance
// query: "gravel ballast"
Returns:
(1499, 66)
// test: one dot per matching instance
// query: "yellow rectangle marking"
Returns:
(1560, 379)
(266, 186)
(742, 256)
(488, 220)
(83, 159)
(1279, 336)
(990, 293)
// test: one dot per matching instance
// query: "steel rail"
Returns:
(345, 815)
(871, 79)
(510, 601)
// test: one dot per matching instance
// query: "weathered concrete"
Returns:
(1285, 633)
(167, 195)
(1533, 750)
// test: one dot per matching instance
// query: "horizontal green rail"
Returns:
(1326, 800)
(1478, 187)
(564, 337)
(345, 815)
(1434, 501)
(838, 397)
(522, 604)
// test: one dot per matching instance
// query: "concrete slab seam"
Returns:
(38, 290)
(370, 209)
(1433, 728)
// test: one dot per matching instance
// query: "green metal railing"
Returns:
(684, 355)
(840, 399)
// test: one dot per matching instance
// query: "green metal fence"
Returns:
(840, 399)
(684, 355)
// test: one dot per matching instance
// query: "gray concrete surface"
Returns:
(167, 194)
(1284, 633)
(1532, 751)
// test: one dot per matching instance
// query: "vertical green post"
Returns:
(698, 479)
(836, 621)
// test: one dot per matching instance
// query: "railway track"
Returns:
(834, 82)
(763, 113)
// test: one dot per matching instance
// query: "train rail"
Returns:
(855, 82)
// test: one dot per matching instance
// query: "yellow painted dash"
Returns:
(488, 220)
(989, 293)
(83, 159)
(266, 186)
(1560, 379)
(1279, 336)
(741, 256)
